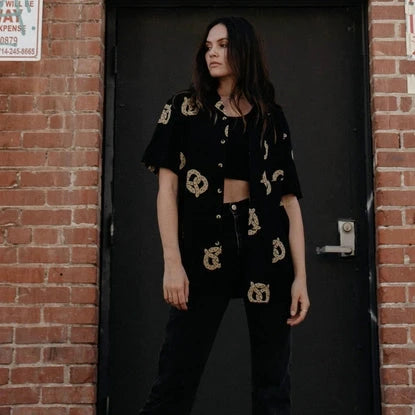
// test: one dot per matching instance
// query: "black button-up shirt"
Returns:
(189, 142)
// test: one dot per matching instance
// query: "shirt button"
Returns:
(218, 216)
(222, 141)
(224, 118)
(233, 207)
(217, 243)
(219, 190)
(220, 164)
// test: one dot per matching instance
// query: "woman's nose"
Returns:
(213, 52)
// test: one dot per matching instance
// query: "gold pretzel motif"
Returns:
(211, 258)
(266, 150)
(182, 160)
(278, 255)
(258, 292)
(266, 183)
(276, 174)
(188, 107)
(253, 221)
(165, 114)
(193, 185)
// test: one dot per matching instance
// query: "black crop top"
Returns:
(237, 149)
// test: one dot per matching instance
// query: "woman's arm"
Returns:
(297, 248)
(175, 281)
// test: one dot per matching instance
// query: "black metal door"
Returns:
(317, 63)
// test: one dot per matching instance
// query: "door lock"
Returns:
(347, 240)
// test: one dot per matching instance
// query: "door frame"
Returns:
(107, 212)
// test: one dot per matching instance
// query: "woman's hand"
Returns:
(176, 285)
(298, 295)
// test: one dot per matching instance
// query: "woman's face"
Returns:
(216, 52)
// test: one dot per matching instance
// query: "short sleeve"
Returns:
(163, 150)
(291, 182)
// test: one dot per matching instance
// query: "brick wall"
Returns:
(50, 179)
(393, 118)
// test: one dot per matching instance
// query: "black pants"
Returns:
(190, 335)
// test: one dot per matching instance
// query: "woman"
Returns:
(229, 220)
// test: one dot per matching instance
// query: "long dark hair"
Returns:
(246, 60)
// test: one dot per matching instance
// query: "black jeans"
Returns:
(190, 335)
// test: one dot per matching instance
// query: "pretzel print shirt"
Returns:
(191, 143)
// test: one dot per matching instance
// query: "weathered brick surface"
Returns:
(51, 115)
(393, 123)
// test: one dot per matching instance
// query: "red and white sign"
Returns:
(20, 30)
(410, 28)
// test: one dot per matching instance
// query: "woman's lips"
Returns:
(214, 64)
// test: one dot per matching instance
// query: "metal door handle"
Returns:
(347, 240)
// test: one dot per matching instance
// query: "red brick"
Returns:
(6, 355)
(410, 216)
(78, 354)
(21, 103)
(86, 178)
(58, 85)
(395, 376)
(84, 335)
(390, 85)
(80, 236)
(91, 29)
(71, 315)
(22, 158)
(382, 30)
(19, 315)
(409, 178)
(388, 218)
(92, 12)
(22, 85)
(21, 274)
(73, 158)
(406, 66)
(50, 374)
(73, 275)
(45, 179)
(4, 103)
(12, 68)
(69, 394)
(76, 47)
(87, 103)
(396, 236)
(17, 395)
(57, 122)
(383, 66)
(84, 84)
(63, 31)
(7, 294)
(9, 216)
(46, 217)
(397, 315)
(66, 12)
(9, 139)
(408, 139)
(385, 103)
(395, 197)
(8, 255)
(398, 355)
(396, 410)
(40, 295)
(34, 335)
(71, 197)
(387, 12)
(6, 334)
(388, 179)
(398, 122)
(411, 294)
(55, 103)
(82, 410)
(396, 274)
(406, 104)
(82, 374)
(47, 140)
(399, 394)
(84, 255)
(8, 178)
(4, 378)
(86, 215)
(87, 139)
(391, 294)
(42, 236)
(90, 66)
(19, 235)
(388, 48)
(390, 255)
(27, 355)
(39, 410)
(84, 295)
(56, 255)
